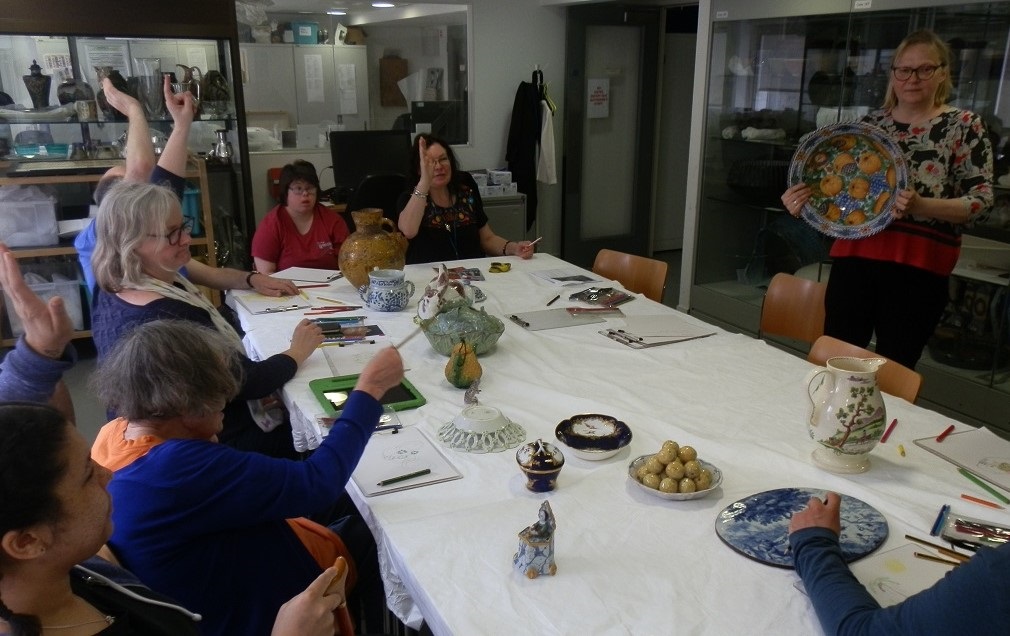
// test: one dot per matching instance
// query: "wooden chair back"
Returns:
(639, 274)
(793, 307)
(893, 378)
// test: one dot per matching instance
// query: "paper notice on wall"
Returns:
(314, 91)
(113, 55)
(598, 98)
(412, 86)
(346, 84)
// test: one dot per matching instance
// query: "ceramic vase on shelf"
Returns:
(119, 82)
(847, 416)
(73, 90)
(375, 244)
(38, 85)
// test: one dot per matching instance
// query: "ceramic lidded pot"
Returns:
(847, 416)
(541, 463)
(386, 290)
(375, 244)
(73, 90)
(38, 85)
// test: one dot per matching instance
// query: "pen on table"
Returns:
(553, 300)
(389, 427)
(982, 502)
(930, 557)
(935, 530)
(940, 548)
(313, 286)
(396, 480)
(887, 433)
(947, 431)
(986, 487)
(901, 449)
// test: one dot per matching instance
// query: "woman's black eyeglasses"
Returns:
(175, 235)
(924, 72)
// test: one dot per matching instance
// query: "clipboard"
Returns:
(308, 274)
(553, 319)
(256, 303)
(980, 451)
(388, 456)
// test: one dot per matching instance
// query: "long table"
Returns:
(628, 562)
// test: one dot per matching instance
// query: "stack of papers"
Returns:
(640, 332)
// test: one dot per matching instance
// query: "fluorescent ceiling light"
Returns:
(383, 5)
(336, 12)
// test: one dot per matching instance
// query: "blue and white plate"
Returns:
(758, 526)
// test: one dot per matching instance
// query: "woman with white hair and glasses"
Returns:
(143, 241)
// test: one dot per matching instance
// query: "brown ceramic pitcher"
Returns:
(374, 244)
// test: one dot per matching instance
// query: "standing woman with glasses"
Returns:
(298, 232)
(143, 242)
(894, 283)
(443, 217)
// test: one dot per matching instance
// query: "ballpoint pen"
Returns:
(395, 480)
(553, 300)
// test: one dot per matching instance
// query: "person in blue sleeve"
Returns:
(973, 598)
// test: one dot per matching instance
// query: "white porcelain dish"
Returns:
(592, 436)
(675, 496)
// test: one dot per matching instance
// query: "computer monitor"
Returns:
(447, 119)
(359, 153)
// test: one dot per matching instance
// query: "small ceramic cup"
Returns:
(541, 463)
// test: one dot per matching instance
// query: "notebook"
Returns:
(308, 274)
(980, 450)
(554, 318)
(393, 455)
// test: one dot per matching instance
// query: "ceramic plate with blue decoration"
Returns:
(758, 526)
(592, 436)
(854, 171)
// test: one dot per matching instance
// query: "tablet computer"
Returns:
(333, 392)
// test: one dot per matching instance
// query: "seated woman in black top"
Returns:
(444, 216)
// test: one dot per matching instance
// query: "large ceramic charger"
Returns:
(758, 526)
(855, 171)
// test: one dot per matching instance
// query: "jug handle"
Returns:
(389, 225)
(363, 292)
(410, 288)
(811, 377)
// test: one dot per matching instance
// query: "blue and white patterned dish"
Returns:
(592, 436)
(854, 171)
(758, 526)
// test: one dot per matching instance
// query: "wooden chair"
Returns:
(345, 625)
(893, 378)
(639, 274)
(793, 307)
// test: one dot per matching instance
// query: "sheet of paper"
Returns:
(563, 277)
(980, 450)
(352, 358)
(391, 455)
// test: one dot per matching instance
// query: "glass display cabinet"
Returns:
(58, 135)
(778, 70)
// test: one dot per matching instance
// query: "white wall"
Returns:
(509, 38)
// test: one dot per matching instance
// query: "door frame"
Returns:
(639, 240)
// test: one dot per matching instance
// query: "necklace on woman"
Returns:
(108, 620)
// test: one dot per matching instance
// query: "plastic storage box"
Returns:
(27, 217)
(70, 290)
(305, 32)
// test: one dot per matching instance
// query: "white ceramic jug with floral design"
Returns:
(847, 417)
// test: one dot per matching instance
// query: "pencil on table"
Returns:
(982, 502)
(930, 557)
(984, 486)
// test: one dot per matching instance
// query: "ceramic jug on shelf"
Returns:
(847, 416)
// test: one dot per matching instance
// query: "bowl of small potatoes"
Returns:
(675, 472)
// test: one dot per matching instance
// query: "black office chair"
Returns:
(379, 190)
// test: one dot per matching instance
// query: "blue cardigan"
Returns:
(973, 598)
(205, 523)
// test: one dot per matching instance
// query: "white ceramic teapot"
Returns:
(847, 416)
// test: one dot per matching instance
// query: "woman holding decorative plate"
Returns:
(896, 190)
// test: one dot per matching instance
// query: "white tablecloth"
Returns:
(627, 562)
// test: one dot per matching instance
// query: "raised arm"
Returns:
(410, 217)
(139, 151)
(180, 106)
